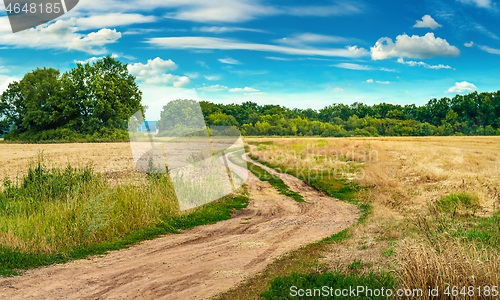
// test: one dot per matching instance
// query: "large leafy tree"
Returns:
(29, 104)
(87, 99)
(101, 95)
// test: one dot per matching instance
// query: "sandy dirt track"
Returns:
(201, 262)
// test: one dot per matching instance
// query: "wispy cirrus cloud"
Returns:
(223, 29)
(423, 64)
(227, 44)
(229, 61)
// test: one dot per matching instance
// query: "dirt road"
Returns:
(201, 262)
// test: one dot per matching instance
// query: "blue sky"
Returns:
(293, 53)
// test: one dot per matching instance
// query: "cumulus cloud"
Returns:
(461, 87)
(191, 42)
(369, 81)
(469, 44)
(214, 88)
(61, 35)
(154, 72)
(427, 22)
(153, 67)
(5, 81)
(423, 64)
(243, 90)
(230, 61)
(426, 46)
(92, 59)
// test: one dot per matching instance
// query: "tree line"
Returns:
(471, 114)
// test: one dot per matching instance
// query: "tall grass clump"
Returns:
(55, 210)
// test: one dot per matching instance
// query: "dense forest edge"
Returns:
(93, 102)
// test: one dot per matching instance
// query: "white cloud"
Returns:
(214, 88)
(461, 87)
(299, 40)
(92, 59)
(335, 90)
(203, 64)
(479, 3)
(340, 8)
(490, 50)
(380, 82)
(243, 90)
(61, 35)
(469, 44)
(154, 73)
(229, 61)
(192, 75)
(426, 46)
(427, 22)
(486, 31)
(110, 20)
(212, 77)
(153, 67)
(258, 93)
(5, 81)
(182, 82)
(352, 66)
(221, 29)
(227, 44)
(423, 64)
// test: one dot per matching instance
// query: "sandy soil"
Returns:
(199, 263)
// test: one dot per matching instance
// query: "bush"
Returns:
(462, 203)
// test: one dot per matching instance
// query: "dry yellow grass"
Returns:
(466, 268)
(406, 173)
(404, 176)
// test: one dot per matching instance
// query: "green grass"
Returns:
(263, 175)
(52, 216)
(312, 285)
(344, 190)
